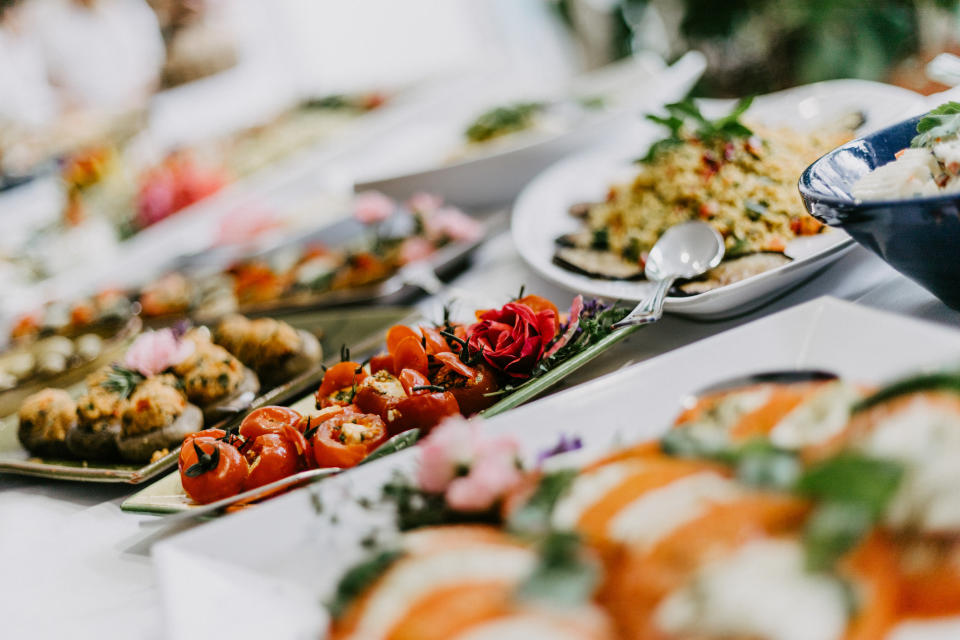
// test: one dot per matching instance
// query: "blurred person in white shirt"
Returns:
(26, 97)
(102, 54)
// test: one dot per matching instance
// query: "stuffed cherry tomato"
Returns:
(379, 393)
(346, 439)
(473, 393)
(422, 411)
(211, 469)
(340, 384)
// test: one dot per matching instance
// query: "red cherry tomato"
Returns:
(397, 334)
(410, 378)
(272, 456)
(211, 469)
(346, 439)
(338, 382)
(422, 411)
(382, 362)
(410, 354)
(268, 420)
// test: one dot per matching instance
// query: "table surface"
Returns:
(71, 560)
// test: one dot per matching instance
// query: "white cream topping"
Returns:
(763, 591)
(911, 174)
(412, 579)
(658, 512)
(925, 437)
(521, 627)
(588, 489)
(823, 415)
(715, 424)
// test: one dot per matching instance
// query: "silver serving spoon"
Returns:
(686, 250)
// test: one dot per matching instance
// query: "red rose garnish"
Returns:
(512, 339)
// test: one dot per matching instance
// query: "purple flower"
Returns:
(564, 445)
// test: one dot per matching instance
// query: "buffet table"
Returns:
(73, 562)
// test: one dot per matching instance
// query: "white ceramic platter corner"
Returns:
(286, 556)
(417, 158)
(540, 213)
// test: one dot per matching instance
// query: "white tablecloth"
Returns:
(72, 564)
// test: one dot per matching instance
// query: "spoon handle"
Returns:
(651, 309)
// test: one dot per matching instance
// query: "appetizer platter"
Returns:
(126, 421)
(779, 534)
(733, 165)
(428, 372)
(483, 156)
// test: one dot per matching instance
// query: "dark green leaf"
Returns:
(942, 381)
(852, 478)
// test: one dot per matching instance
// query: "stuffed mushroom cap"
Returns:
(155, 403)
(272, 347)
(210, 374)
(45, 419)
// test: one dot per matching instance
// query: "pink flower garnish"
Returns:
(371, 207)
(472, 471)
(455, 225)
(424, 203)
(415, 249)
(155, 351)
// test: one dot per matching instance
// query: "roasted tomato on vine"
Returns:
(472, 386)
(273, 456)
(211, 468)
(269, 420)
(347, 438)
(340, 384)
(422, 410)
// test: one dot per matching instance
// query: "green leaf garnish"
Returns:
(503, 120)
(853, 492)
(122, 381)
(943, 122)
(355, 581)
(533, 518)
(563, 577)
(685, 122)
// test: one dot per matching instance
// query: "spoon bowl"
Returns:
(686, 251)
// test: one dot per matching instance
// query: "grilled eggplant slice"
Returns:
(597, 264)
(730, 271)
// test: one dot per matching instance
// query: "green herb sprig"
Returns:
(685, 121)
(122, 381)
(942, 122)
(563, 576)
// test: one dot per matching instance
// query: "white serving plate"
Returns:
(540, 214)
(285, 557)
(418, 158)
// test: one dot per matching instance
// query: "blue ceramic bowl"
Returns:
(919, 237)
